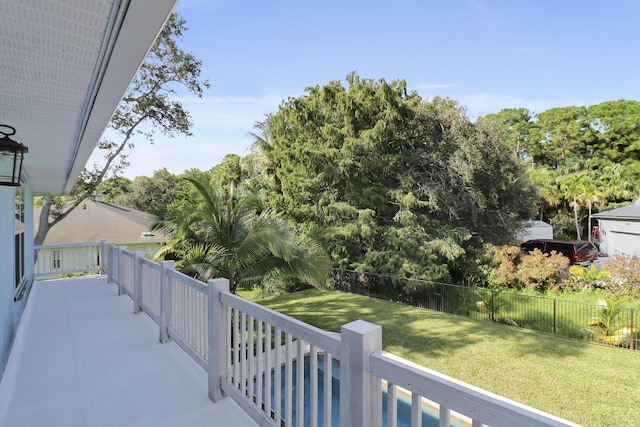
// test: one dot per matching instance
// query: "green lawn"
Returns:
(588, 384)
(567, 315)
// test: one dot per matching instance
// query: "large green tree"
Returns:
(580, 158)
(389, 182)
(617, 124)
(520, 131)
(114, 187)
(151, 194)
(227, 233)
(149, 106)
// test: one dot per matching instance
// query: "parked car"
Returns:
(578, 252)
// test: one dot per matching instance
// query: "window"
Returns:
(18, 228)
(57, 259)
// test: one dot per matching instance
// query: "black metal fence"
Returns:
(611, 325)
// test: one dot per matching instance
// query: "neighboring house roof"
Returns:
(92, 221)
(537, 223)
(631, 212)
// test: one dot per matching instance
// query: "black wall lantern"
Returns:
(11, 154)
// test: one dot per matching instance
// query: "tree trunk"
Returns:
(589, 226)
(542, 208)
(43, 221)
(575, 214)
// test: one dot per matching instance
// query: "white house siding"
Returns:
(28, 255)
(7, 274)
(150, 249)
(619, 237)
(10, 310)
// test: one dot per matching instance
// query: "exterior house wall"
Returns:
(619, 237)
(149, 249)
(28, 255)
(11, 308)
(6, 274)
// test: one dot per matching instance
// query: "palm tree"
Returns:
(544, 179)
(262, 151)
(572, 186)
(591, 194)
(229, 235)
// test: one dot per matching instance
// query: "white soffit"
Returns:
(64, 66)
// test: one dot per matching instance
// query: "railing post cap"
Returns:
(361, 326)
(221, 284)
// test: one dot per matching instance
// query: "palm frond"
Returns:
(230, 235)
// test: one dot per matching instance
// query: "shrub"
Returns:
(624, 280)
(608, 328)
(499, 265)
(544, 272)
(589, 278)
(508, 266)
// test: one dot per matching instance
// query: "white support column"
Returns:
(166, 297)
(360, 392)
(218, 341)
(137, 280)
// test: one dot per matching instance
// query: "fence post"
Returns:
(102, 257)
(114, 263)
(634, 340)
(218, 341)
(165, 299)
(360, 391)
(109, 262)
(555, 317)
(137, 280)
(493, 306)
(121, 250)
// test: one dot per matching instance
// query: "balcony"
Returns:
(82, 358)
(142, 344)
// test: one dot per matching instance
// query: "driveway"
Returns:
(601, 261)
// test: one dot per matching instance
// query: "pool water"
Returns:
(430, 416)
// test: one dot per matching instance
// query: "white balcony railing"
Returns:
(58, 260)
(284, 372)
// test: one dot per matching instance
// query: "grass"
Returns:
(566, 315)
(588, 384)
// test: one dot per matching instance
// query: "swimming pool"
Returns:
(430, 416)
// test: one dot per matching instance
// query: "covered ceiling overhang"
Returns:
(64, 67)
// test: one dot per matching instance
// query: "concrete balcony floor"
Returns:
(82, 358)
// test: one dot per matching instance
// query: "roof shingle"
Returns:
(625, 212)
(92, 221)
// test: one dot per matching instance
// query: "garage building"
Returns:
(619, 230)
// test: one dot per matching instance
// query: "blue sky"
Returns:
(486, 54)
